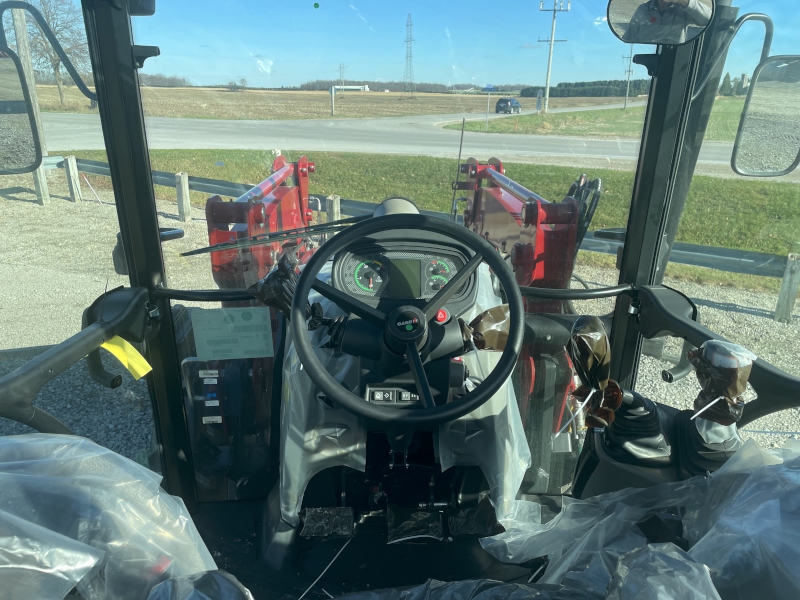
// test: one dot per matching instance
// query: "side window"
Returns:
(59, 229)
(735, 252)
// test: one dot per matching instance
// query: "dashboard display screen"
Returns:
(404, 278)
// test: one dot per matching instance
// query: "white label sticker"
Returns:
(208, 420)
(210, 381)
(203, 373)
(212, 402)
(229, 333)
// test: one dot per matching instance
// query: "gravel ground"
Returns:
(16, 144)
(50, 273)
(58, 270)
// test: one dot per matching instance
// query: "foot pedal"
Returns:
(328, 522)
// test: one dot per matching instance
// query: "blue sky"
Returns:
(273, 44)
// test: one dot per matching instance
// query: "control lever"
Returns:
(682, 369)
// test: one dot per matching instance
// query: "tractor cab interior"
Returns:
(466, 391)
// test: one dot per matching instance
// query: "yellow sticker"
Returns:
(128, 356)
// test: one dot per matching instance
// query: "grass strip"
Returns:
(759, 215)
(615, 122)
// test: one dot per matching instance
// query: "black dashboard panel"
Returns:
(387, 273)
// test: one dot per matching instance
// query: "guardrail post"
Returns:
(73, 178)
(184, 203)
(789, 287)
(24, 53)
(333, 205)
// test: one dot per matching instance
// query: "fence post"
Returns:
(24, 53)
(789, 287)
(184, 203)
(73, 178)
(334, 208)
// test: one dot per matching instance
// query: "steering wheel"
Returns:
(407, 326)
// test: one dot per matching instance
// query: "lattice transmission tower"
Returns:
(409, 88)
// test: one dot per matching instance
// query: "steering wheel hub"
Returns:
(406, 325)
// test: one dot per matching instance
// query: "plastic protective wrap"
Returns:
(213, 585)
(491, 436)
(477, 589)
(490, 328)
(647, 573)
(722, 368)
(327, 522)
(78, 502)
(413, 524)
(314, 434)
(36, 562)
(590, 353)
(742, 522)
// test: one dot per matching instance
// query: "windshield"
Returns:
(347, 105)
(375, 96)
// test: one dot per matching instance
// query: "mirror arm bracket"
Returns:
(142, 53)
(648, 61)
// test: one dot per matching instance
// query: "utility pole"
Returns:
(628, 72)
(341, 77)
(24, 53)
(552, 41)
(409, 89)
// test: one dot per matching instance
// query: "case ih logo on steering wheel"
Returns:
(408, 322)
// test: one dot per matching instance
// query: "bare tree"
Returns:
(243, 83)
(65, 19)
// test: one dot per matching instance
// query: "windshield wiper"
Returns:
(279, 236)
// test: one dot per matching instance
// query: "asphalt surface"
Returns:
(417, 135)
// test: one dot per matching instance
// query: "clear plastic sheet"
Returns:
(491, 436)
(477, 521)
(213, 585)
(650, 572)
(477, 589)
(36, 562)
(92, 500)
(314, 435)
(327, 522)
(407, 524)
(742, 522)
(486, 298)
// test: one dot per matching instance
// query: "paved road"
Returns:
(417, 135)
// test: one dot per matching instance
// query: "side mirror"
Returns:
(20, 151)
(768, 141)
(672, 22)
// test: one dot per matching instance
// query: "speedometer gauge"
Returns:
(371, 276)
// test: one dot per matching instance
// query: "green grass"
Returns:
(733, 213)
(613, 122)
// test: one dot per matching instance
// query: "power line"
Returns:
(409, 88)
(552, 41)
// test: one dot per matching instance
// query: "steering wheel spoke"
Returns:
(440, 299)
(420, 378)
(371, 315)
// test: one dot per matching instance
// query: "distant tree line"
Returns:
(397, 86)
(587, 89)
(159, 80)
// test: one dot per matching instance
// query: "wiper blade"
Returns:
(279, 236)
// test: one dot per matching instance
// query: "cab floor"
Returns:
(367, 563)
